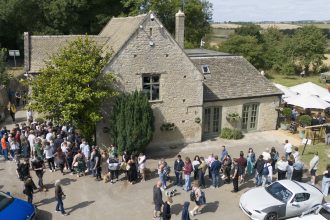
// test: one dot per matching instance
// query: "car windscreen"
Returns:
(279, 192)
(5, 200)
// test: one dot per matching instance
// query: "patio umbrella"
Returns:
(287, 91)
(310, 88)
(307, 101)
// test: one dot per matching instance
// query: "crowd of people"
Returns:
(265, 168)
(34, 145)
(59, 148)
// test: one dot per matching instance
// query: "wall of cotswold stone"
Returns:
(181, 88)
(267, 115)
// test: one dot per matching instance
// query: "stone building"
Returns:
(194, 89)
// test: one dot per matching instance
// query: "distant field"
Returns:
(292, 80)
(322, 26)
(221, 32)
(263, 26)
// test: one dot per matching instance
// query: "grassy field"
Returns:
(323, 151)
(293, 80)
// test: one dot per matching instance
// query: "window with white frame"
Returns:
(151, 86)
(206, 69)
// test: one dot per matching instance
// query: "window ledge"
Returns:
(155, 101)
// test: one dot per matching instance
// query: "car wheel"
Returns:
(271, 216)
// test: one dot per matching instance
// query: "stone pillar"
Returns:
(179, 28)
(27, 47)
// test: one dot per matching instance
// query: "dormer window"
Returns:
(205, 69)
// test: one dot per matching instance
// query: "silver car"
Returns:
(281, 199)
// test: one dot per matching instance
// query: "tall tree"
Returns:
(250, 30)
(4, 78)
(309, 47)
(198, 14)
(131, 122)
(53, 17)
(272, 48)
(72, 87)
(246, 46)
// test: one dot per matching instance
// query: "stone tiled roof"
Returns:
(113, 36)
(233, 77)
(200, 52)
(43, 47)
(120, 29)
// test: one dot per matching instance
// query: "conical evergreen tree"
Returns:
(131, 122)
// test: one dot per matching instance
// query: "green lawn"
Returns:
(323, 151)
(292, 80)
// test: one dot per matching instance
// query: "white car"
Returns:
(321, 212)
(281, 199)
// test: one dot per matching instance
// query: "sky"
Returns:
(270, 10)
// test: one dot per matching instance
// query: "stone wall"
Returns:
(151, 50)
(267, 115)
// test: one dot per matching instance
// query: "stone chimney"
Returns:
(179, 28)
(27, 42)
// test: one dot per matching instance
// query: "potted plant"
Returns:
(304, 120)
(286, 112)
(233, 117)
(197, 120)
(167, 126)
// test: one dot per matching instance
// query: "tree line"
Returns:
(50, 17)
(273, 49)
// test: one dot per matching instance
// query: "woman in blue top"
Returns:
(251, 159)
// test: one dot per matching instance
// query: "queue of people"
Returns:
(265, 168)
(63, 150)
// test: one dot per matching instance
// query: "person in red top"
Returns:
(4, 146)
(328, 88)
(18, 137)
(187, 169)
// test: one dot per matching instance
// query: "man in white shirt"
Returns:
(31, 139)
(141, 161)
(266, 155)
(287, 149)
(85, 149)
(50, 136)
(296, 154)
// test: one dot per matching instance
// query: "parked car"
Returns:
(320, 212)
(14, 208)
(281, 199)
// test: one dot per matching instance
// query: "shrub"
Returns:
(287, 113)
(228, 133)
(131, 124)
(305, 120)
(237, 134)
